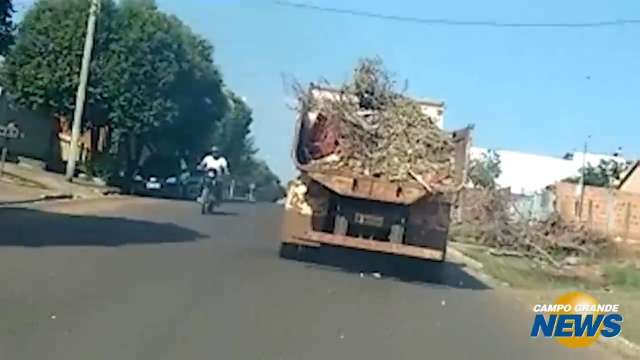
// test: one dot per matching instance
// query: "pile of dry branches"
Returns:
(552, 241)
(382, 132)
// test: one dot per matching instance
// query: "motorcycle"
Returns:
(210, 194)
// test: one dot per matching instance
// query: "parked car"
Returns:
(191, 185)
(161, 176)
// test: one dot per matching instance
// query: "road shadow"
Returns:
(222, 213)
(387, 265)
(35, 228)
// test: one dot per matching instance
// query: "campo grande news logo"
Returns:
(576, 320)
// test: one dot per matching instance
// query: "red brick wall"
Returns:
(613, 212)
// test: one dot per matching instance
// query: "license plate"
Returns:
(369, 220)
(153, 186)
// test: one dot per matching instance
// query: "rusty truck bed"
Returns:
(346, 183)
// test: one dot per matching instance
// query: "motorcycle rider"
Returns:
(213, 161)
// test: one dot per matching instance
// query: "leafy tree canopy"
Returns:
(6, 25)
(605, 174)
(150, 75)
(42, 70)
(484, 172)
(152, 80)
(233, 137)
(233, 132)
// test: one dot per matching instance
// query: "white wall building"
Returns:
(434, 109)
(528, 173)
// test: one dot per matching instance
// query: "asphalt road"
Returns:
(152, 279)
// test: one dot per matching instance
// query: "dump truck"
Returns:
(337, 206)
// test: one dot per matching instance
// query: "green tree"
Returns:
(271, 192)
(267, 184)
(605, 174)
(485, 171)
(42, 70)
(233, 134)
(6, 25)
(161, 83)
(233, 137)
(199, 93)
(151, 79)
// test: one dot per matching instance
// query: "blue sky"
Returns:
(533, 90)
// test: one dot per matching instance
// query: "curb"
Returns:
(454, 250)
(626, 346)
(39, 184)
(111, 192)
(43, 198)
(474, 267)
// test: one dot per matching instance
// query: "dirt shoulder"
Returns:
(608, 280)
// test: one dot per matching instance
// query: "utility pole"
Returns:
(582, 170)
(232, 189)
(82, 90)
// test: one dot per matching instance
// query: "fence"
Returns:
(239, 191)
(538, 206)
(473, 204)
(610, 211)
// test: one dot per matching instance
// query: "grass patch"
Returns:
(544, 284)
(622, 276)
(629, 301)
(525, 273)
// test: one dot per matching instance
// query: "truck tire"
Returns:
(341, 225)
(298, 252)
(205, 201)
(396, 235)
(288, 251)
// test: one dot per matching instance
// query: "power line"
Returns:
(453, 22)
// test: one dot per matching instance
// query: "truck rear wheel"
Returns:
(396, 235)
(298, 252)
(340, 225)
(288, 251)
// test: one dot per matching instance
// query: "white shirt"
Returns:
(219, 165)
